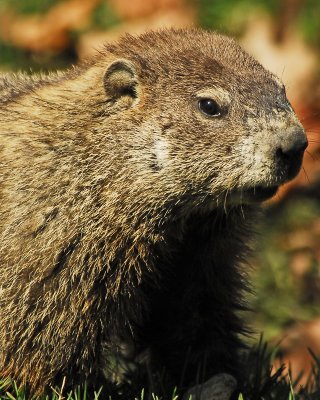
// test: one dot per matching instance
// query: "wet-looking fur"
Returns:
(126, 208)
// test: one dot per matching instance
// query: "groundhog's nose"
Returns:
(290, 149)
(292, 144)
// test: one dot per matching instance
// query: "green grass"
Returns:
(289, 232)
(232, 16)
(28, 6)
(261, 383)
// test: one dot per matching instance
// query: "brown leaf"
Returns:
(48, 32)
(294, 347)
(140, 8)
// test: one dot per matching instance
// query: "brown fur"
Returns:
(126, 211)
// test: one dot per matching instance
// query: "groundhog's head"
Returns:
(210, 120)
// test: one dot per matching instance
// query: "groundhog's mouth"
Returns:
(260, 193)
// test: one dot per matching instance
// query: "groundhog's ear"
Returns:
(120, 81)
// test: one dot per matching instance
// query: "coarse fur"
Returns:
(126, 211)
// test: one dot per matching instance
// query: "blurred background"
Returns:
(42, 35)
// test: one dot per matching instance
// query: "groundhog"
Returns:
(129, 188)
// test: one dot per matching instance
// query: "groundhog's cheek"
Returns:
(255, 162)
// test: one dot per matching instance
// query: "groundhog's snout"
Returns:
(293, 145)
(276, 159)
(290, 149)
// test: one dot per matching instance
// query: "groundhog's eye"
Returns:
(209, 107)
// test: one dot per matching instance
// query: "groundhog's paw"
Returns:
(219, 387)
